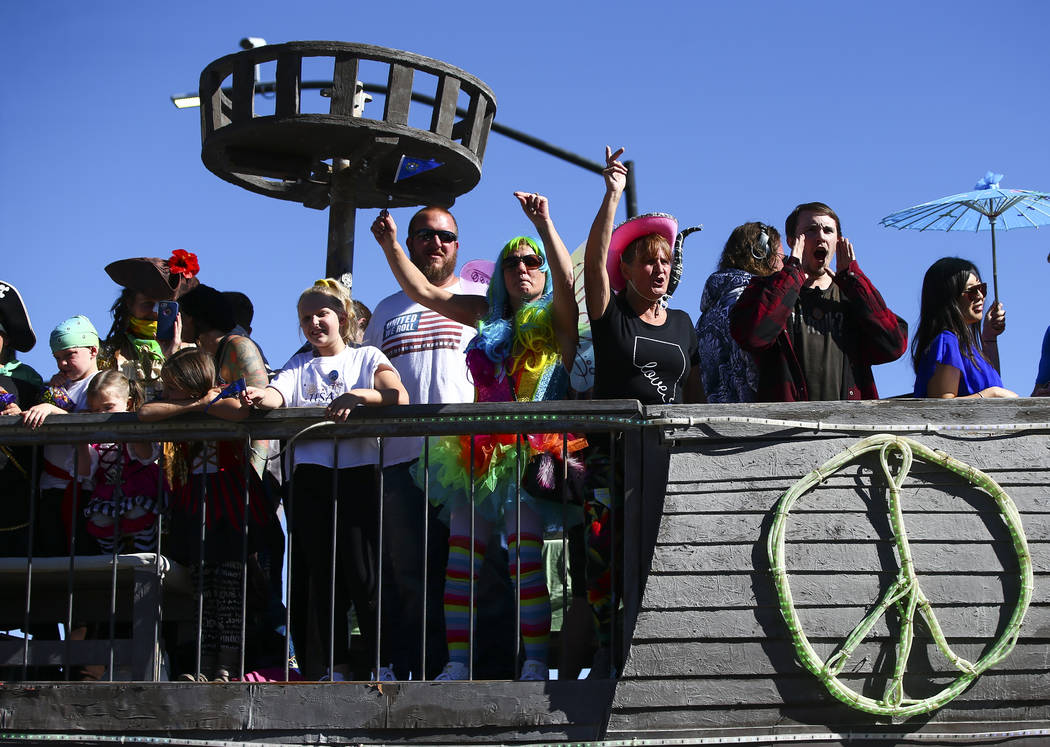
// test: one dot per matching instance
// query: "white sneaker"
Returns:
(454, 670)
(533, 669)
(386, 674)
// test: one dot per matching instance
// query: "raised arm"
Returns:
(563, 305)
(994, 325)
(595, 276)
(461, 308)
(883, 336)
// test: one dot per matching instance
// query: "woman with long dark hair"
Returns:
(954, 354)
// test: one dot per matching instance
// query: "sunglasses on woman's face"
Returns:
(531, 261)
(973, 291)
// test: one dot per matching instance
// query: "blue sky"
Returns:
(732, 112)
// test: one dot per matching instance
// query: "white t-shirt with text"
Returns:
(309, 381)
(428, 351)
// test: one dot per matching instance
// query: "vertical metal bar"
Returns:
(331, 567)
(517, 552)
(67, 649)
(288, 476)
(426, 555)
(246, 453)
(34, 493)
(159, 617)
(564, 542)
(995, 266)
(114, 560)
(613, 599)
(379, 582)
(203, 508)
(470, 571)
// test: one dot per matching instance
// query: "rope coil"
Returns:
(905, 593)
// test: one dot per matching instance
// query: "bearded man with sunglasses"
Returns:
(428, 351)
(815, 334)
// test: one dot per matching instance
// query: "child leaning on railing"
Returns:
(208, 482)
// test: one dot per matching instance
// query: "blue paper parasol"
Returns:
(984, 209)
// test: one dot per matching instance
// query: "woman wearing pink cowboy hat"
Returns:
(642, 350)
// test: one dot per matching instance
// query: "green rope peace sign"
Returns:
(904, 592)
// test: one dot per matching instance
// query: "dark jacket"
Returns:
(727, 372)
(759, 319)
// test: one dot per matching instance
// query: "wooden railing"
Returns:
(291, 154)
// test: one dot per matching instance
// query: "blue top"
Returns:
(1043, 375)
(945, 349)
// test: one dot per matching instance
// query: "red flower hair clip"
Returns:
(183, 263)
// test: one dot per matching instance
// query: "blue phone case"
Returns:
(166, 313)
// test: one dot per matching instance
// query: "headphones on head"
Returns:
(760, 249)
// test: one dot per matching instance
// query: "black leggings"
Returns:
(356, 563)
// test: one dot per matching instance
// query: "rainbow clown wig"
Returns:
(528, 333)
(515, 356)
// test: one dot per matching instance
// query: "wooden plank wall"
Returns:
(711, 654)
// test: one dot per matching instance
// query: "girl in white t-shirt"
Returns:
(338, 378)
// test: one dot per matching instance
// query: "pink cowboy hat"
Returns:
(641, 225)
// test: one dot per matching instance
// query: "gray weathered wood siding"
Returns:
(711, 654)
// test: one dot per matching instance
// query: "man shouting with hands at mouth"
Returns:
(814, 333)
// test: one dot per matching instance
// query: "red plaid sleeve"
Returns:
(764, 308)
(883, 335)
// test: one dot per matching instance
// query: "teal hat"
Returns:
(75, 332)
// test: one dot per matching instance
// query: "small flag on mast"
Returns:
(409, 166)
(231, 390)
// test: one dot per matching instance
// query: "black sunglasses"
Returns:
(973, 290)
(426, 234)
(531, 261)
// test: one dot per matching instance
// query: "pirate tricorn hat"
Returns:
(14, 319)
(160, 279)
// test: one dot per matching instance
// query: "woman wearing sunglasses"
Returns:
(526, 341)
(954, 355)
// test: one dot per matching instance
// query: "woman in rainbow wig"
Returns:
(527, 336)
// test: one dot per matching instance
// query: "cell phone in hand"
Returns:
(166, 313)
